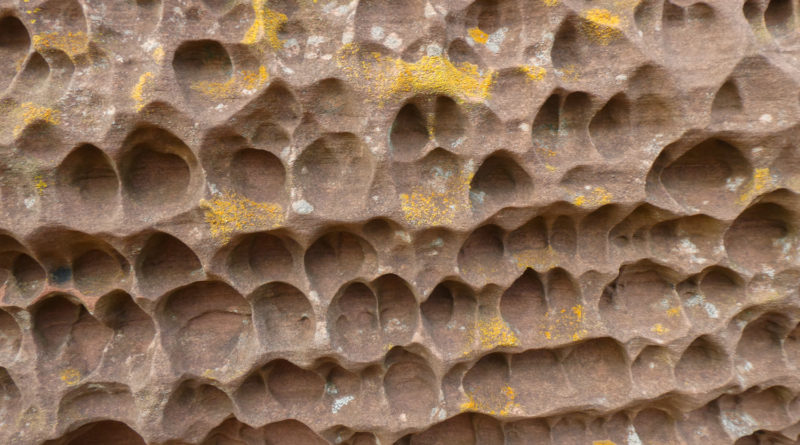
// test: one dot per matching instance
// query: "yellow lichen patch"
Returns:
(70, 376)
(386, 77)
(674, 311)
(601, 25)
(533, 72)
(537, 259)
(235, 86)
(39, 184)
(478, 35)
(565, 324)
(550, 2)
(29, 113)
(603, 442)
(158, 54)
(229, 213)
(502, 405)
(137, 94)
(265, 25)
(72, 43)
(569, 73)
(437, 204)
(659, 329)
(494, 333)
(761, 180)
(599, 196)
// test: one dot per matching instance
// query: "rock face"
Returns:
(399, 221)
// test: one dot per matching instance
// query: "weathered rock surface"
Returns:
(399, 221)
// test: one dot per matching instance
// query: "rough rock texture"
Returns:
(399, 221)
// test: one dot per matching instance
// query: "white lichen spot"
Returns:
(733, 183)
(302, 207)
(393, 41)
(433, 50)
(633, 437)
(376, 32)
(331, 389)
(347, 37)
(496, 39)
(738, 424)
(765, 118)
(340, 403)
(429, 11)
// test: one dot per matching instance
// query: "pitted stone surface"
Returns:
(399, 221)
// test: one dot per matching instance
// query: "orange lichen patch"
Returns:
(493, 333)
(28, 113)
(265, 26)
(386, 77)
(229, 213)
(599, 196)
(478, 35)
(565, 323)
(72, 43)
(70, 376)
(39, 184)
(547, 152)
(502, 405)
(603, 442)
(533, 72)
(137, 93)
(437, 204)
(761, 180)
(235, 86)
(601, 25)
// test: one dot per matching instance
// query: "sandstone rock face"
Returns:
(399, 221)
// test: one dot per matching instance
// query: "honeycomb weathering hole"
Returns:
(201, 61)
(711, 173)
(206, 321)
(104, 432)
(284, 315)
(757, 238)
(409, 133)
(10, 335)
(258, 174)
(334, 171)
(334, 257)
(157, 168)
(87, 176)
(14, 44)
(165, 262)
(384, 313)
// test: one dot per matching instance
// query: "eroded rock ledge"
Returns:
(399, 221)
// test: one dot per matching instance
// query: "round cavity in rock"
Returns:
(165, 263)
(283, 315)
(86, 176)
(259, 175)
